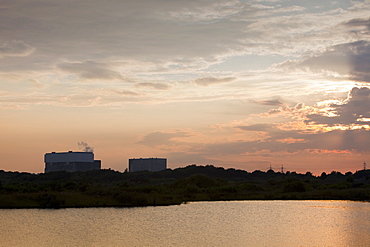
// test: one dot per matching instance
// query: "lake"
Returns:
(231, 223)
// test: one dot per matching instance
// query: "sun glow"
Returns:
(363, 119)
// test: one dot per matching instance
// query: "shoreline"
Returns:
(31, 203)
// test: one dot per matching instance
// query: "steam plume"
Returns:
(85, 147)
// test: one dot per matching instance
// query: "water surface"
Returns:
(235, 223)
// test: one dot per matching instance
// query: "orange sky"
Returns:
(239, 84)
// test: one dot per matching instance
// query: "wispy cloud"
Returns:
(206, 81)
(275, 102)
(91, 70)
(15, 48)
(154, 85)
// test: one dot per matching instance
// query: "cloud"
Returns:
(154, 85)
(334, 59)
(299, 111)
(353, 140)
(257, 127)
(290, 140)
(183, 39)
(302, 133)
(275, 102)
(15, 48)
(189, 34)
(121, 30)
(206, 81)
(126, 92)
(360, 61)
(275, 141)
(353, 110)
(294, 141)
(91, 70)
(349, 60)
(207, 12)
(359, 26)
(109, 98)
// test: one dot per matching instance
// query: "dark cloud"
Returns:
(274, 102)
(206, 81)
(352, 111)
(350, 60)
(357, 24)
(335, 58)
(360, 61)
(91, 70)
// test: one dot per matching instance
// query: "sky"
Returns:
(232, 83)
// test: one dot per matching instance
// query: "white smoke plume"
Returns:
(85, 147)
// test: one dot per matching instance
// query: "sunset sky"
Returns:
(232, 83)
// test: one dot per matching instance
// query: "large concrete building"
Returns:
(147, 164)
(71, 161)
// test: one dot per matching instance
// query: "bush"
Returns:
(198, 180)
(49, 201)
(295, 186)
(70, 185)
(249, 187)
(125, 197)
(191, 188)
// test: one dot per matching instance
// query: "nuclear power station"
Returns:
(84, 161)
(147, 164)
(71, 161)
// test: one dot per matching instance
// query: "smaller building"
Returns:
(147, 164)
(71, 161)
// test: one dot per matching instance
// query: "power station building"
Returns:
(147, 164)
(71, 161)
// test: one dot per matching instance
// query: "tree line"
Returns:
(102, 188)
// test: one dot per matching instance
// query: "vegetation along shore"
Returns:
(109, 188)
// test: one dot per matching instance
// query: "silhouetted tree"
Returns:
(308, 174)
(295, 186)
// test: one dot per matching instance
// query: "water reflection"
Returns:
(243, 223)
